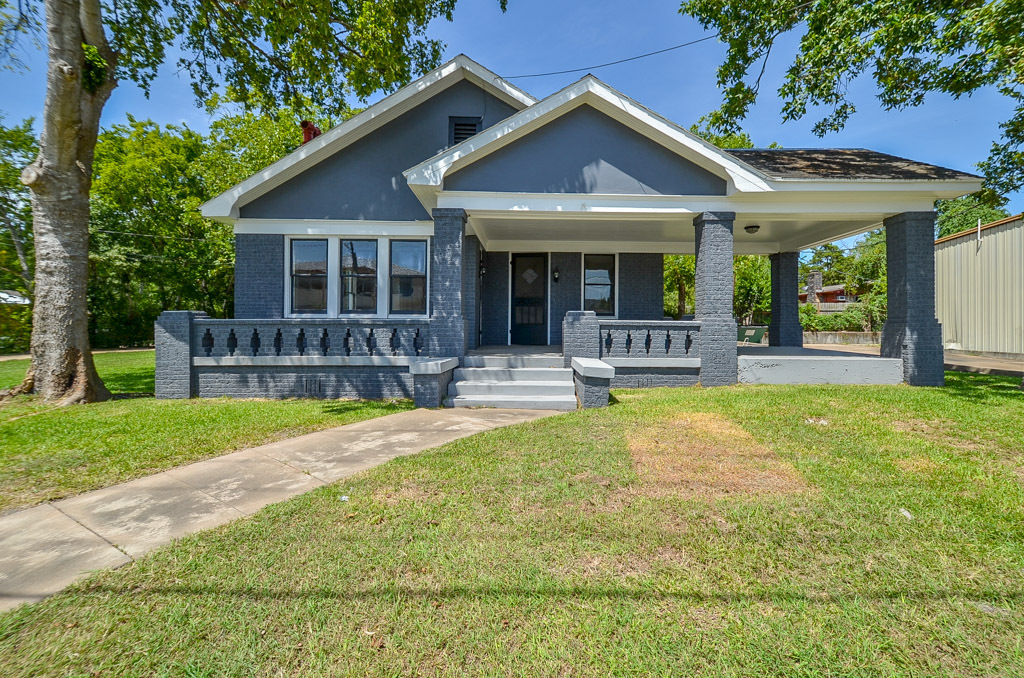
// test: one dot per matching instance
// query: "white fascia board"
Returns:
(938, 188)
(334, 227)
(226, 205)
(620, 246)
(553, 205)
(627, 111)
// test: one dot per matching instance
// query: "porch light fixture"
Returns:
(752, 229)
(554, 274)
(482, 267)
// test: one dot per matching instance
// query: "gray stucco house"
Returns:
(416, 248)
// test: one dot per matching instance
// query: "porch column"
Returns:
(713, 293)
(784, 328)
(911, 330)
(447, 323)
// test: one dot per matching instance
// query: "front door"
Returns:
(529, 296)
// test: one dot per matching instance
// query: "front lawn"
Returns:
(761, 530)
(50, 452)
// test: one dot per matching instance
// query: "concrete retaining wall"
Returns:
(842, 337)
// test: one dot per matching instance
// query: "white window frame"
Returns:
(334, 276)
(615, 283)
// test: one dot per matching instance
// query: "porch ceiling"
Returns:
(673, 234)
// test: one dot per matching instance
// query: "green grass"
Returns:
(122, 371)
(552, 548)
(51, 452)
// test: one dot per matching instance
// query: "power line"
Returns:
(612, 63)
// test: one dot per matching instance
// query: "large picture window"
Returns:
(358, 290)
(599, 283)
(309, 276)
(408, 276)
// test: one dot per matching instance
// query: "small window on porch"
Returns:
(309, 276)
(462, 128)
(409, 276)
(358, 276)
(599, 283)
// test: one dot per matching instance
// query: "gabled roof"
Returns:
(428, 177)
(858, 164)
(225, 206)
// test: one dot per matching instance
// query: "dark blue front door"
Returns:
(529, 299)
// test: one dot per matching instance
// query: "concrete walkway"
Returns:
(960, 362)
(45, 548)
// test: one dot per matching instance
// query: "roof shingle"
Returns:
(841, 163)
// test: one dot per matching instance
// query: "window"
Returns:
(599, 283)
(309, 276)
(409, 276)
(460, 129)
(358, 290)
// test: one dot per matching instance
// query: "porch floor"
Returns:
(518, 351)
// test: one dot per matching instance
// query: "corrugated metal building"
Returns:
(979, 288)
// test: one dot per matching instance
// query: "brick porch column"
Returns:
(911, 330)
(784, 328)
(713, 292)
(447, 320)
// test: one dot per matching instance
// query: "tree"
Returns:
(831, 260)
(962, 214)
(910, 48)
(866, 268)
(259, 52)
(17, 148)
(680, 276)
(752, 297)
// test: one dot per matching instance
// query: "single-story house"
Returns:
(465, 243)
(826, 298)
(979, 276)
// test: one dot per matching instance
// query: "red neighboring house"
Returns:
(827, 298)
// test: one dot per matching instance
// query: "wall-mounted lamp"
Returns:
(554, 274)
(482, 266)
(752, 229)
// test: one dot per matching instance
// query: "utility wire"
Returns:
(612, 63)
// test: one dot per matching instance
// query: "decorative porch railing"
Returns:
(309, 337)
(649, 339)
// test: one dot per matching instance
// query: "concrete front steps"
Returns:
(514, 382)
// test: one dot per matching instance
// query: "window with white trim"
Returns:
(599, 283)
(309, 276)
(342, 276)
(408, 277)
(358, 289)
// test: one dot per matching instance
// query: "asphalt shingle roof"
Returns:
(841, 163)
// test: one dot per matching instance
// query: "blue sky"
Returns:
(538, 36)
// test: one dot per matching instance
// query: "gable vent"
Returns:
(460, 129)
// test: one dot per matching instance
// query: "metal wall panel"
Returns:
(979, 289)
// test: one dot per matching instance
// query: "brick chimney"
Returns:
(813, 286)
(309, 131)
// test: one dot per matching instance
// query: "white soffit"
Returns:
(226, 205)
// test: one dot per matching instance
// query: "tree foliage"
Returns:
(962, 214)
(752, 295)
(910, 48)
(17, 149)
(831, 260)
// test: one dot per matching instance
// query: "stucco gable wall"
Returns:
(364, 180)
(586, 151)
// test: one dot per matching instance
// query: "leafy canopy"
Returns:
(260, 52)
(963, 214)
(910, 48)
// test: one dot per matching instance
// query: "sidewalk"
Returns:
(954, 361)
(45, 548)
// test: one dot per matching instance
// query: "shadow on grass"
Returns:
(129, 381)
(981, 388)
(339, 407)
(553, 592)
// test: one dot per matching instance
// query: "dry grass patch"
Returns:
(917, 465)
(705, 455)
(936, 431)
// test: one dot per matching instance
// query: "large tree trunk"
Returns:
(60, 178)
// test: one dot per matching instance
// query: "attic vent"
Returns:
(460, 129)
